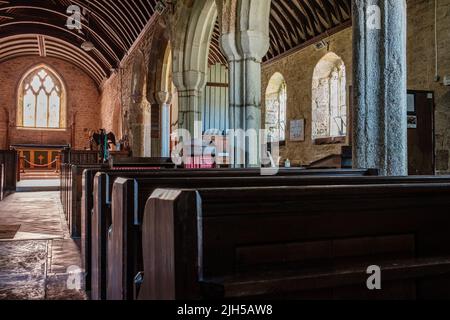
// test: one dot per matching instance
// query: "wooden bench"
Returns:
(130, 195)
(142, 162)
(80, 157)
(71, 194)
(289, 242)
(100, 219)
(9, 161)
(72, 175)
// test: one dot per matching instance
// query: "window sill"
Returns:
(42, 129)
(280, 143)
(330, 140)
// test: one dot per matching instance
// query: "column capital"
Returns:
(164, 97)
(191, 80)
(245, 28)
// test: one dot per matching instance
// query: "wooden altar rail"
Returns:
(23, 160)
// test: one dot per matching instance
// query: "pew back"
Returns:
(71, 194)
(130, 195)
(100, 219)
(142, 162)
(80, 157)
(222, 242)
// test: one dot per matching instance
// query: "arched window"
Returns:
(276, 105)
(41, 100)
(329, 98)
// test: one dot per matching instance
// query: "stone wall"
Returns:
(111, 105)
(297, 70)
(421, 66)
(82, 100)
(126, 95)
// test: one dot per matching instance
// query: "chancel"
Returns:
(224, 150)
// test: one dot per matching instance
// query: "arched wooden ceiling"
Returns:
(294, 23)
(37, 27)
(113, 26)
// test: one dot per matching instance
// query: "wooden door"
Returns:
(421, 142)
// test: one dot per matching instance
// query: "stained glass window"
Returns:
(41, 99)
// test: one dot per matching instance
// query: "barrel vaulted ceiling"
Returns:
(37, 27)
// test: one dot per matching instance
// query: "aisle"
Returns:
(36, 252)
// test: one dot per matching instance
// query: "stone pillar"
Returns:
(245, 41)
(136, 128)
(164, 99)
(379, 86)
(190, 85)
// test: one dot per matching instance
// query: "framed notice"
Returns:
(411, 104)
(297, 132)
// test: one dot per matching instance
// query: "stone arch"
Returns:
(135, 115)
(156, 91)
(245, 41)
(138, 78)
(168, 98)
(193, 26)
(190, 43)
(329, 98)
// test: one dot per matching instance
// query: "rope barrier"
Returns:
(39, 165)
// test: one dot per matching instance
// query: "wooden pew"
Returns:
(9, 160)
(80, 157)
(94, 211)
(71, 194)
(288, 242)
(101, 215)
(129, 197)
(75, 191)
(142, 163)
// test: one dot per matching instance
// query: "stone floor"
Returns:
(40, 261)
(44, 185)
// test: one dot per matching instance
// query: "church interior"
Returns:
(224, 149)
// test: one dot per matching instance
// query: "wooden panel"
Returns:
(86, 226)
(215, 107)
(9, 159)
(100, 224)
(421, 146)
(122, 242)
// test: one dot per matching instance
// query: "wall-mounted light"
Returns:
(87, 46)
